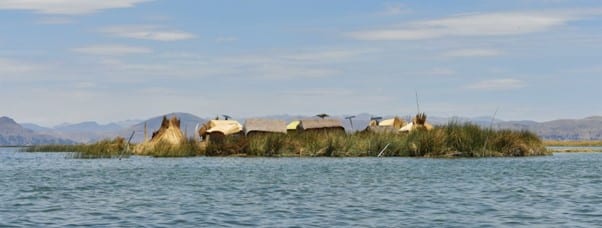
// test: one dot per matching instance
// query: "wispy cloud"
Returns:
(437, 72)
(498, 84)
(8, 66)
(272, 66)
(226, 39)
(112, 49)
(478, 24)
(320, 92)
(477, 52)
(396, 9)
(289, 71)
(328, 55)
(147, 32)
(67, 7)
(55, 21)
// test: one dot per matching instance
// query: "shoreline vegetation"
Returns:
(574, 146)
(446, 141)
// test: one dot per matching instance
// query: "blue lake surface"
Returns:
(51, 190)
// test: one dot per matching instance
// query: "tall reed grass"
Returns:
(189, 148)
(451, 140)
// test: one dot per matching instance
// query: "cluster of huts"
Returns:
(216, 130)
(219, 129)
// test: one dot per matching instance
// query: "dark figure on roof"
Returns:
(323, 115)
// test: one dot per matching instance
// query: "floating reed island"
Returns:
(319, 137)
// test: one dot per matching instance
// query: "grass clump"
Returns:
(188, 148)
(228, 146)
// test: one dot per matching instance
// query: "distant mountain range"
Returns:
(589, 128)
(14, 134)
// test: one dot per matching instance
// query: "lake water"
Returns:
(48, 189)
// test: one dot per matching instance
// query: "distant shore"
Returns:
(574, 143)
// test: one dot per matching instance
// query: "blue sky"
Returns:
(111, 60)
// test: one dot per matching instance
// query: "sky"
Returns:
(112, 60)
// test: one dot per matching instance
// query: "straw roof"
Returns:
(315, 124)
(417, 122)
(264, 125)
(292, 126)
(396, 123)
(373, 123)
(407, 128)
(226, 127)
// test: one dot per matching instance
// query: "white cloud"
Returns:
(112, 49)
(482, 52)
(498, 84)
(147, 32)
(479, 24)
(67, 7)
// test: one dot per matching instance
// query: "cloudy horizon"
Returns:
(107, 61)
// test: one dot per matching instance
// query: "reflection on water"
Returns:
(45, 189)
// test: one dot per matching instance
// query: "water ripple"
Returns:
(51, 191)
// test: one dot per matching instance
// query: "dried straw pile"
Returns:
(169, 133)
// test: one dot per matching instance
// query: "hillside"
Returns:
(565, 129)
(13, 134)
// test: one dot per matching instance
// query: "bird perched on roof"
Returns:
(323, 115)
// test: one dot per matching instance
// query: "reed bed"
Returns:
(581, 143)
(189, 148)
(451, 140)
(115, 148)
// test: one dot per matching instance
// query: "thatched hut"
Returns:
(396, 123)
(418, 122)
(392, 125)
(320, 125)
(264, 126)
(218, 129)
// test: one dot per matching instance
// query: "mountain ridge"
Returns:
(13, 134)
(587, 128)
